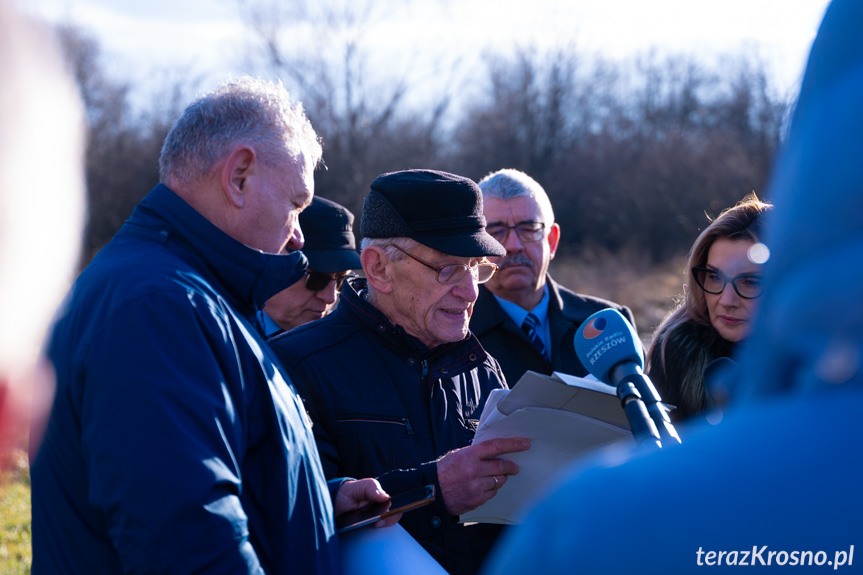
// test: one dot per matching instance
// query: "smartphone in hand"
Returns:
(371, 514)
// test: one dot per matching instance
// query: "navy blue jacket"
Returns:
(385, 406)
(176, 444)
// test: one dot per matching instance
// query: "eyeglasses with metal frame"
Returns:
(526, 231)
(316, 281)
(747, 286)
(453, 273)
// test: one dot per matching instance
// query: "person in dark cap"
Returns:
(332, 253)
(393, 379)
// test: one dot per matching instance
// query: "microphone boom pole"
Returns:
(643, 427)
(630, 373)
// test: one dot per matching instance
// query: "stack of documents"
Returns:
(563, 416)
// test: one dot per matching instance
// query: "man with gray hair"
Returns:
(523, 317)
(176, 443)
(393, 379)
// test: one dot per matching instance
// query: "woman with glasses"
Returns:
(720, 301)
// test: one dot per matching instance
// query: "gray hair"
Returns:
(509, 183)
(387, 243)
(245, 111)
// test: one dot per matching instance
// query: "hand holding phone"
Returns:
(371, 514)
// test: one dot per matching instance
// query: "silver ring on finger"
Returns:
(496, 483)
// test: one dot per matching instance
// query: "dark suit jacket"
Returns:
(509, 345)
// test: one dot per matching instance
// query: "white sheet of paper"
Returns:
(563, 418)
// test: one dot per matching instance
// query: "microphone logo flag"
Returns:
(594, 327)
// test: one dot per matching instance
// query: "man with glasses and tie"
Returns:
(523, 317)
(332, 253)
(393, 379)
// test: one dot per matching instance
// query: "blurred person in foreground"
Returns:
(176, 443)
(524, 318)
(332, 253)
(778, 482)
(41, 212)
(393, 379)
(724, 286)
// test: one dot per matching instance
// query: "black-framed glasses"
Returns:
(526, 231)
(747, 286)
(453, 273)
(316, 281)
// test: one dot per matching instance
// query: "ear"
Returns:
(376, 266)
(553, 240)
(236, 171)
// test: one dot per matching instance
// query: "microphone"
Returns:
(606, 345)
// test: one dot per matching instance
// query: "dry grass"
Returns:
(15, 538)
(650, 291)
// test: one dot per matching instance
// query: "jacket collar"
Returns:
(493, 314)
(560, 317)
(249, 277)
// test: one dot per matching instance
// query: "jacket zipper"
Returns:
(395, 421)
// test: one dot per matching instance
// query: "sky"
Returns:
(149, 38)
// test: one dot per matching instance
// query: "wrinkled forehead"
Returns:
(519, 209)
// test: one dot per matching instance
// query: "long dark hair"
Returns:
(743, 221)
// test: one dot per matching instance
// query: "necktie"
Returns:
(530, 327)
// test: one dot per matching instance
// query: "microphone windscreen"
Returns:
(604, 340)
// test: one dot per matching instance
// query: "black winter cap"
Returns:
(328, 231)
(440, 210)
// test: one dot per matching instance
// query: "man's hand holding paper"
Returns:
(471, 476)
